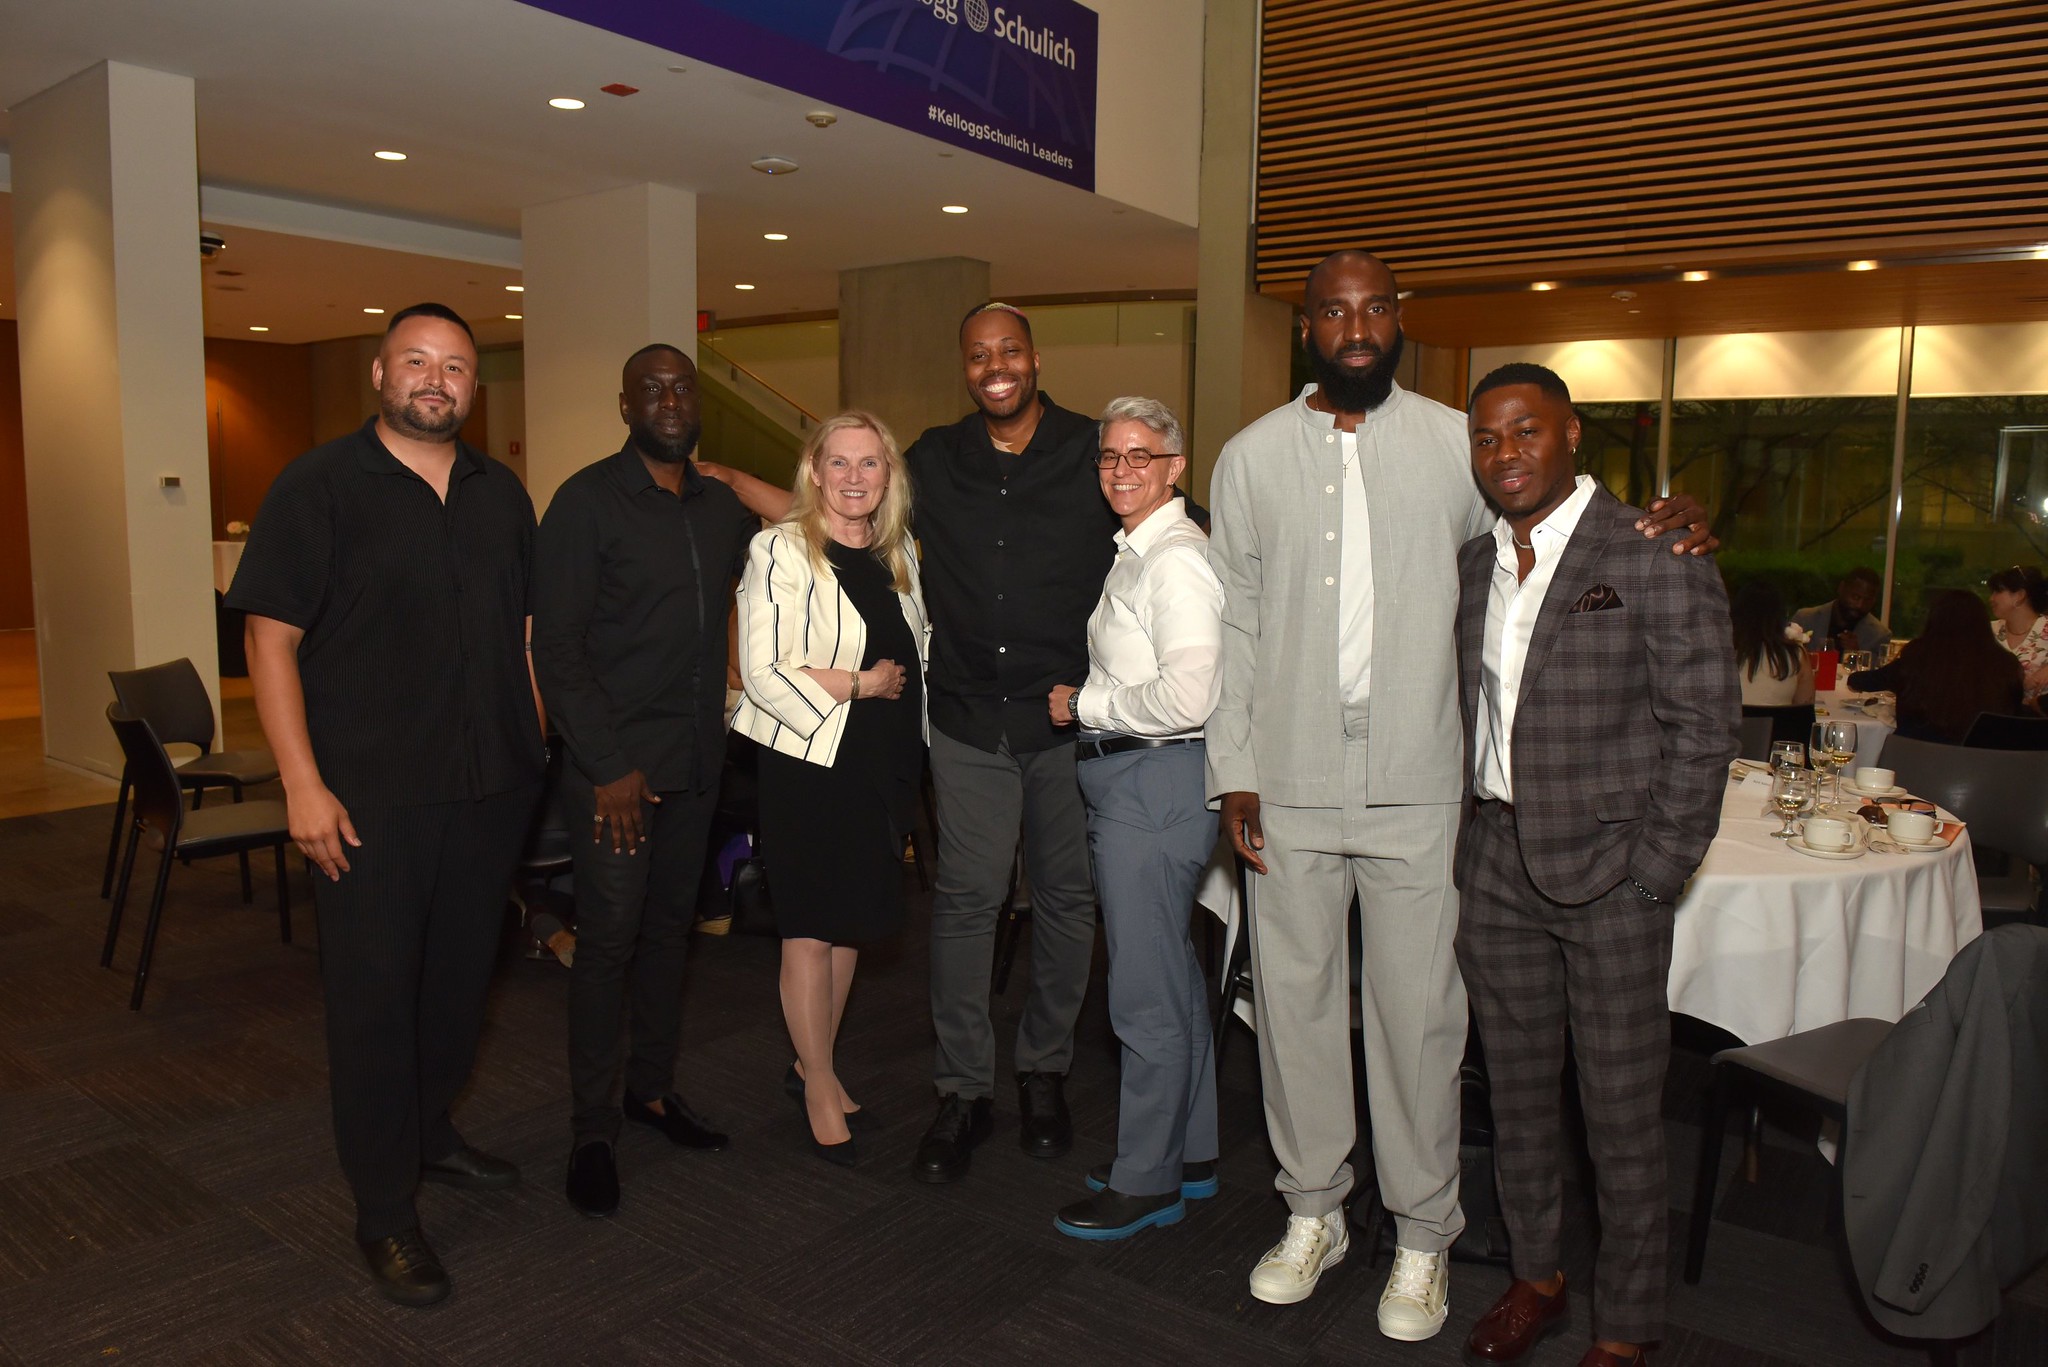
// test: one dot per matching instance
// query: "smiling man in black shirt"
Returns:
(385, 586)
(633, 572)
(1017, 541)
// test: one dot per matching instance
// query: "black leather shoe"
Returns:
(1109, 1214)
(405, 1269)
(471, 1168)
(946, 1150)
(682, 1125)
(1047, 1130)
(594, 1178)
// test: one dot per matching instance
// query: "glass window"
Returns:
(1618, 447)
(1975, 497)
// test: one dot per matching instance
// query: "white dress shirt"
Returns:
(1511, 610)
(1354, 589)
(1154, 639)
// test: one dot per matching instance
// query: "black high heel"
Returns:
(842, 1154)
(793, 1088)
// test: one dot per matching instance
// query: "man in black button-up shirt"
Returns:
(633, 573)
(1017, 541)
(385, 586)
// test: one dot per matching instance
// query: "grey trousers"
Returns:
(1398, 861)
(1150, 837)
(983, 800)
(1533, 967)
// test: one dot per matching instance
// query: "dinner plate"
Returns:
(1894, 791)
(1799, 843)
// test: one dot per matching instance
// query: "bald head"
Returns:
(1350, 257)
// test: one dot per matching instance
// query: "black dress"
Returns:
(832, 838)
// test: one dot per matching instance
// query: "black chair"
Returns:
(171, 698)
(160, 820)
(1793, 722)
(2002, 795)
(1993, 731)
(1756, 738)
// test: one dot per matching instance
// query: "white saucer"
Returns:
(1894, 791)
(1798, 843)
(1921, 846)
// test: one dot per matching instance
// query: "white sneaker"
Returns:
(1417, 1298)
(1290, 1268)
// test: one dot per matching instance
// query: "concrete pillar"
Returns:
(1241, 337)
(899, 340)
(605, 274)
(113, 371)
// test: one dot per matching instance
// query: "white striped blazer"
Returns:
(794, 615)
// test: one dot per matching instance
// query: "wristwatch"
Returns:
(1074, 704)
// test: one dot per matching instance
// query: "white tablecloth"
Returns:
(1769, 942)
(227, 558)
(1872, 713)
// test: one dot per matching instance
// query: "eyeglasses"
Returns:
(1137, 459)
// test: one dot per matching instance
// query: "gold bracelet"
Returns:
(853, 693)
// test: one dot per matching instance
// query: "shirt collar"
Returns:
(1152, 528)
(632, 471)
(1327, 422)
(1549, 535)
(373, 455)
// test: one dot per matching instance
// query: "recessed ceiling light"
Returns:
(373, 310)
(564, 102)
(516, 289)
(679, 70)
(952, 208)
(2041, 252)
(775, 237)
(1635, 310)
(390, 156)
(514, 317)
(1694, 277)
(1862, 265)
(773, 166)
(254, 328)
(1623, 295)
(743, 287)
(1543, 285)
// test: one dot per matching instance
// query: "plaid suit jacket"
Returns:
(1629, 710)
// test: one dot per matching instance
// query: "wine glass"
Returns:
(1788, 754)
(1841, 745)
(1792, 792)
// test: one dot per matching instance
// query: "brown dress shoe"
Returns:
(1517, 1320)
(1596, 1356)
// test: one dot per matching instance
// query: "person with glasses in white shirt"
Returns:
(1153, 644)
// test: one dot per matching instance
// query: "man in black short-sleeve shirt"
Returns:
(385, 583)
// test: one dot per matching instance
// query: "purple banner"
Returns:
(1013, 81)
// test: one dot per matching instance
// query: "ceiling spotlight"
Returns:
(1543, 285)
(1862, 265)
(952, 208)
(1695, 277)
(821, 118)
(773, 166)
(743, 287)
(564, 102)
(775, 237)
(254, 328)
(679, 70)
(514, 317)
(389, 156)
(373, 310)
(1623, 295)
(516, 289)
(212, 244)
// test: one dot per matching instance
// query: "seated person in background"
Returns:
(1952, 671)
(1848, 623)
(2019, 600)
(1770, 660)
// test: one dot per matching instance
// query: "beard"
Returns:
(666, 449)
(408, 419)
(1347, 390)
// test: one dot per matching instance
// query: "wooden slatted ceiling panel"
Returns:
(1475, 140)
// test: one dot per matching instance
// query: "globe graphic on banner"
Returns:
(977, 15)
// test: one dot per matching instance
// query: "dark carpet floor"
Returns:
(168, 1191)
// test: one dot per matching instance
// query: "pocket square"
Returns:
(1599, 598)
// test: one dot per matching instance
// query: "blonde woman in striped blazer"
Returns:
(833, 639)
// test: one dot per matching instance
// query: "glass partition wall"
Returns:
(1799, 446)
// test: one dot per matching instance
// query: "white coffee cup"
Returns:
(1874, 780)
(1915, 828)
(1829, 833)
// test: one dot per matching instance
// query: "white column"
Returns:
(113, 379)
(605, 275)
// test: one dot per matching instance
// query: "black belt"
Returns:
(1116, 745)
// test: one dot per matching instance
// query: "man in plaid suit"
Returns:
(1600, 707)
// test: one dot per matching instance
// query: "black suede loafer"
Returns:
(683, 1126)
(471, 1168)
(946, 1150)
(405, 1268)
(1047, 1130)
(594, 1178)
(1109, 1214)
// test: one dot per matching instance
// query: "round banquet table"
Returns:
(1768, 942)
(1872, 713)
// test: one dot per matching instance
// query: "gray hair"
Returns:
(1150, 412)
